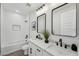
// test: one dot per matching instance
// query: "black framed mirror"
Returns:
(64, 20)
(41, 23)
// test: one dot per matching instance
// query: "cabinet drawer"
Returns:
(32, 49)
(32, 52)
(39, 51)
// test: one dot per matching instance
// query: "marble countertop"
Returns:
(52, 49)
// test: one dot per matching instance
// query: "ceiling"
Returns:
(22, 8)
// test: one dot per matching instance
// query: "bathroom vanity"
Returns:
(36, 50)
(40, 48)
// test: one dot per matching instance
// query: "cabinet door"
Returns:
(39, 51)
(32, 52)
(46, 54)
(32, 49)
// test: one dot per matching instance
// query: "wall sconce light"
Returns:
(42, 9)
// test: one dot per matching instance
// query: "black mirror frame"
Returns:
(52, 22)
(45, 21)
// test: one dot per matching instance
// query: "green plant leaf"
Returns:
(46, 34)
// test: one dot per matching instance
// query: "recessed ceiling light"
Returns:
(17, 10)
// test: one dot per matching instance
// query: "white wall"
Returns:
(27, 27)
(33, 17)
(9, 37)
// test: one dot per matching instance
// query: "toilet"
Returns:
(25, 48)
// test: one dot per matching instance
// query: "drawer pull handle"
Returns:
(30, 50)
(38, 50)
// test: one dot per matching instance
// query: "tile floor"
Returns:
(16, 53)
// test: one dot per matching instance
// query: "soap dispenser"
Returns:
(74, 47)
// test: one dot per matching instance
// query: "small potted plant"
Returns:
(46, 36)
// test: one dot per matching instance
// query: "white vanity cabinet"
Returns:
(46, 53)
(32, 49)
(37, 51)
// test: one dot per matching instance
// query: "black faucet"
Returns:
(39, 36)
(26, 36)
(60, 40)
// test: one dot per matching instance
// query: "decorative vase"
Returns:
(46, 41)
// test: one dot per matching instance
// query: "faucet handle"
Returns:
(56, 43)
(60, 40)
